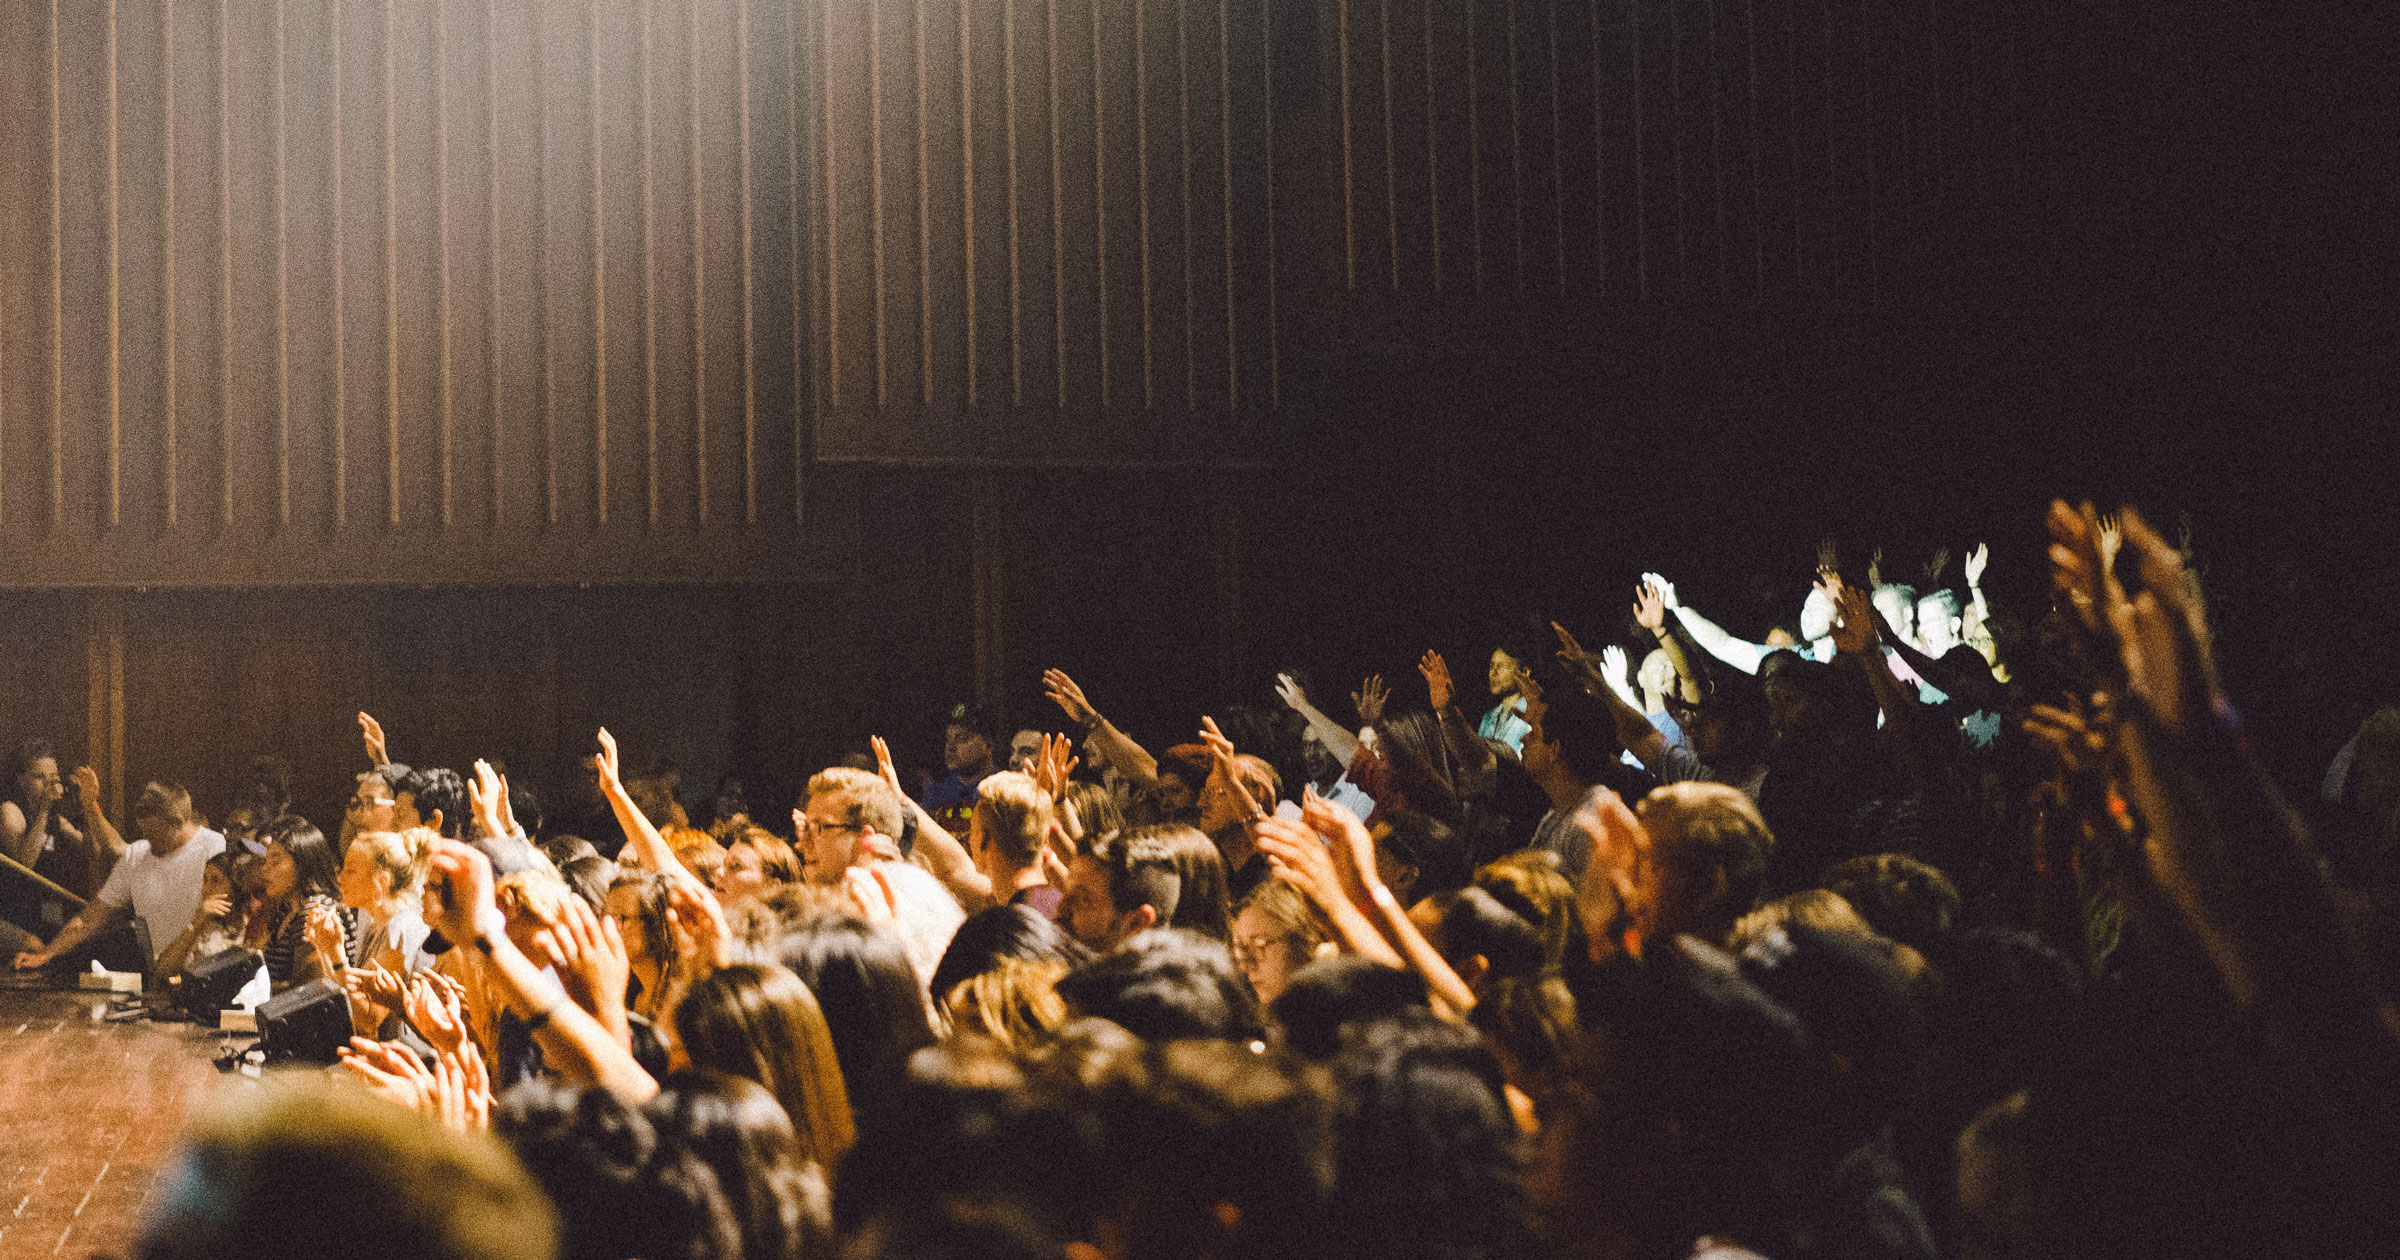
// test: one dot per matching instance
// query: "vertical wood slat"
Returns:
(224, 267)
(645, 71)
(875, 193)
(924, 213)
(749, 284)
(1141, 148)
(167, 260)
(599, 276)
(495, 421)
(391, 268)
(699, 248)
(800, 405)
(1099, 203)
(341, 391)
(441, 216)
(1016, 269)
(283, 285)
(966, 194)
(1057, 207)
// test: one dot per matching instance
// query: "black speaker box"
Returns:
(307, 1022)
(208, 985)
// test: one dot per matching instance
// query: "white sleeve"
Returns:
(117, 892)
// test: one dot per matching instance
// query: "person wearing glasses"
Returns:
(847, 835)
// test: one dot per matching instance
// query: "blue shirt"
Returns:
(1507, 724)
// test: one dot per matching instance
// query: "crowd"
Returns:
(1921, 927)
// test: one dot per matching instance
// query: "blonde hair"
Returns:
(696, 849)
(1291, 910)
(775, 858)
(1016, 1003)
(1817, 908)
(1015, 813)
(399, 854)
(760, 1022)
(867, 800)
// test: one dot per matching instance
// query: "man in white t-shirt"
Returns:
(846, 838)
(158, 879)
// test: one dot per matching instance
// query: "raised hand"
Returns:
(592, 961)
(1650, 608)
(1349, 840)
(487, 798)
(1068, 697)
(1056, 762)
(1665, 589)
(1370, 699)
(1854, 629)
(1616, 670)
(87, 787)
(1220, 748)
(1301, 860)
(883, 767)
(1976, 560)
(371, 732)
(2081, 737)
(1935, 567)
(1829, 557)
(1569, 650)
(459, 900)
(610, 777)
(1875, 568)
(1437, 680)
(1290, 693)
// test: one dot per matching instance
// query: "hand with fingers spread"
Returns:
(1616, 669)
(2080, 736)
(703, 937)
(1063, 692)
(1665, 589)
(1854, 629)
(371, 731)
(1569, 650)
(1300, 859)
(884, 767)
(1650, 609)
(1875, 568)
(1935, 567)
(1290, 693)
(1829, 556)
(377, 985)
(1976, 560)
(1438, 691)
(1370, 699)
(1352, 845)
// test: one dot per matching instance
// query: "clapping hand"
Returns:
(461, 1098)
(703, 938)
(326, 934)
(592, 962)
(1854, 629)
(435, 1008)
(390, 1072)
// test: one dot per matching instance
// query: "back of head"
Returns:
(619, 1189)
(1204, 897)
(167, 802)
(988, 936)
(761, 1023)
(315, 1170)
(1858, 996)
(777, 1193)
(1013, 814)
(1475, 924)
(1585, 734)
(1428, 1159)
(1195, 1128)
(868, 991)
(435, 788)
(1814, 907)
(1708, 845)
(1331, 994)
(1900, 897)
(1143, 869)
(1167, 983)
(589, 877)
(1089, 811)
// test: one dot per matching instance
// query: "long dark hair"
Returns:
(319, 868)
(863, 982)
(738, 1128)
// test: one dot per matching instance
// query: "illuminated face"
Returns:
(1024, 749)
(828, 839)
(1267, 952)
(1937, 626)
(625, 906)
(1898, 609)
(40, 782)
(1504, 672)
(1175, 794)
(743, 876)
(363, 879)
(372, 806)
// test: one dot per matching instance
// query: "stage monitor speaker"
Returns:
(307, 1022)
(208, 986)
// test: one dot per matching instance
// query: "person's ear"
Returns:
(1475, 970)
(432, 821)
(1139, 919)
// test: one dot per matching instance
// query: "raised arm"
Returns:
(1713, 638)
(1855, 636)
(1353, 847)
(1634, 730)
(370, 733)
(1337, 738)
(1300, 859)
(571, 1038)
(1477, 763)
(643, 838)
(104, 834)
(1132, 761)
(939, 852)
(1650, 612)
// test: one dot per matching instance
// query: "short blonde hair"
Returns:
(1016, 1003)
(1015, 813)
(866, 799)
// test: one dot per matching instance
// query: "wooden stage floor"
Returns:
(89, 1114)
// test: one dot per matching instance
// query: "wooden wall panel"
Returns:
(1699, 152)
(401, 290)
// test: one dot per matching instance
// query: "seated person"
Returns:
(158, 880)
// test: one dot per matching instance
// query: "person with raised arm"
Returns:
(159, 879)
(1505, 721)
(1470, 750)
(1815, 616)
(1103, 743)
(936, 849)
(34, 829)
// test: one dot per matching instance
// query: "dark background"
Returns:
(2187, 307)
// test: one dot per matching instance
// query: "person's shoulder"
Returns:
(950, 789)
